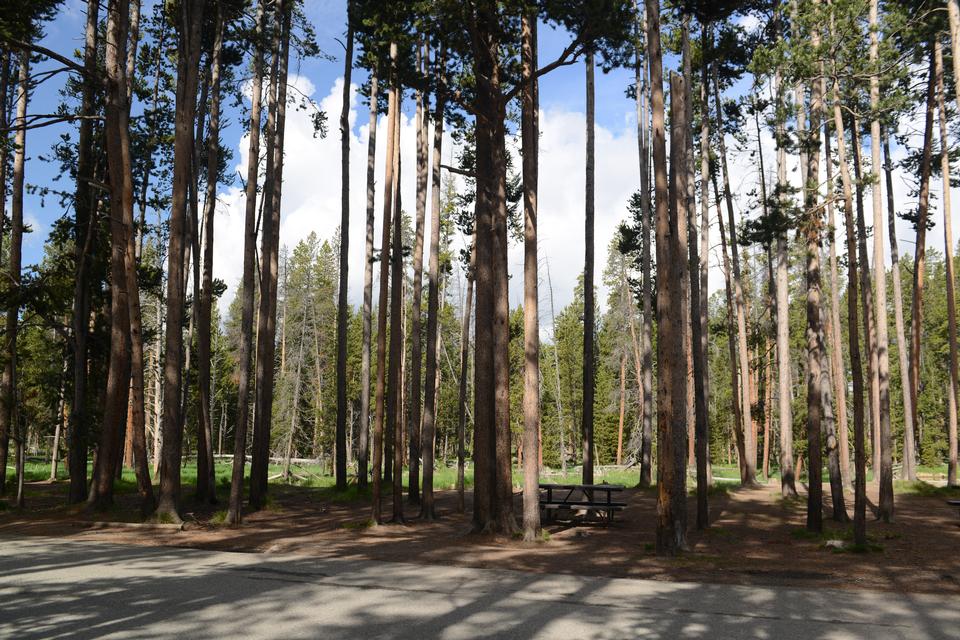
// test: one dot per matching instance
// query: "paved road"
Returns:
(54, 589)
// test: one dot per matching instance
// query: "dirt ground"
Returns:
(755, 537)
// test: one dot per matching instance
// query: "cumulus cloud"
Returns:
(311, 191)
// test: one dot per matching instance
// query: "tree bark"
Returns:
(206, 471)
(340, 464)
(118, 368)
(363, 439)
(818, 389)
(428, 437)
(464, 366)
(954, 381)
(646, 430)
(919, 268)
(416, 354)
(530, 125)
(394, 453)
(697, 272)
(916, 324)
(788, 486)
(838, 372)
(388, 194)
(671, 384)
(8, 412)
(269, 270)
(880, 284)
(853, 327)
(234, 510)
(589, 323)
(749, 459)
(736, 408)
(85, 208)
(188, 27)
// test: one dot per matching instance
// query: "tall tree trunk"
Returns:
(394, 453)
(189, 22)
(85, 208)
(61, 415)
(8, 426)
(784, 388)
(736, 408)
(5, 87)
(493, 494)
(428, 437)
(954, 381)
(904, 361)
(531, 313)
(464, 366)
(416, 354)
(388, 194)
(234, 510)
(837, 367)
(703, 439)
(340, 463)
(853, 326)
(697, 313)
(363, 440)
(919, 268)
(880, 285)
(743, 357)
(556, 370)
(589, 323)
(269, 270)
(832, 438)
(818, 389)
(671, 384)
(646, 429)
(867, 301)
(671, 313)
(118, 368)
(206, 472)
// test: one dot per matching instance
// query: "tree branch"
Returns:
(458, 171)
(562, 60)
(53, 55)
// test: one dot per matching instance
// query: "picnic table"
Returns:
(954, 503)
(592, 497)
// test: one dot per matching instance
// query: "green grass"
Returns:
(921, 488)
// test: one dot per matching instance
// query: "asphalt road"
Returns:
(52, 588)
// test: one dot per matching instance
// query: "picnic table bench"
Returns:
(954, 503)
(592, 497)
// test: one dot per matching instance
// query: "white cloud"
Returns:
(311, 192)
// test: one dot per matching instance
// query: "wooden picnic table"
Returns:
(592, 497)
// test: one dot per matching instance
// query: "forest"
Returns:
(777, 299)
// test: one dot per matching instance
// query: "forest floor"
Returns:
(755, 537)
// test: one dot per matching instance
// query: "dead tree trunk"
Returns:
(340, 455)
(589, 365)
